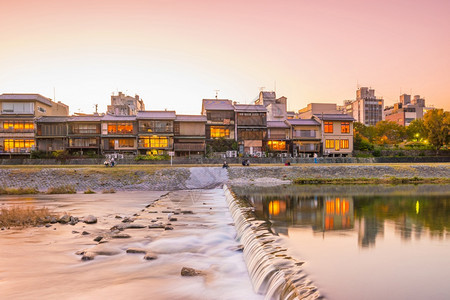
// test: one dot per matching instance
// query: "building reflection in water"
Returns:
(367, 215)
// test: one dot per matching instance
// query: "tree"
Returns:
(389, 132)
(416, 130)
(437, 124)
(367, 132)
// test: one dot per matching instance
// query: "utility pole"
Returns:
(217, 93)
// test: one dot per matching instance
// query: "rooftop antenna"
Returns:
(54, 94)
(96, 108)
(217, 93)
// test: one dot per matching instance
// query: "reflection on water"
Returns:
(403, 234)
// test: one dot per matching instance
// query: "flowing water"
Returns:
(41, 263)
(362, 242)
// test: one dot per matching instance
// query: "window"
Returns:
(154, 142)
(336, 145)
(86, 128)
(126, 143)
(345, 127)
(155, 126)
(276, 145)
(251, 134)
(17, 126)
(18, 107)
(329, 144)
(328, 127)
(120, 128)
(11, 145)
(344, 144)
(218, 132)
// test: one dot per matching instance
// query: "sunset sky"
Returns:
(173, 53)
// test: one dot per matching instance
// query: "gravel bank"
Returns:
(129, 179)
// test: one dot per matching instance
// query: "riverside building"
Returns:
(18, 113)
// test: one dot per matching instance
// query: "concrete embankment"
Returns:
(177, 178)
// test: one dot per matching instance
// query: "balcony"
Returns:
(278, 136)
(308, 148)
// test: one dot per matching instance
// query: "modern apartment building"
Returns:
(366, 109)
(406, 110)
(18, 113)
(122, 105)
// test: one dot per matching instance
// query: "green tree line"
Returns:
(432, 131)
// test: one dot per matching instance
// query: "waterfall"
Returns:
(272, 272)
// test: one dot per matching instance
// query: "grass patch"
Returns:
(109, 191)
(18, 191)
(363, 180)
(18, 216)
(89, 191)
(63, 189)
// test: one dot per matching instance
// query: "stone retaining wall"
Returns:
(180, 178)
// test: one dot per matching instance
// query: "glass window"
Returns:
(329, 144)
(344, 144)
(277, 145)
(328, 127)
(336, 145)
(218, 132)
(345, 127)
(154, 142)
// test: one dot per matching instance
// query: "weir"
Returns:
(272, 272)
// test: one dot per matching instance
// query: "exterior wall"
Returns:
(192, 129)
(397, 117)
(338, 138)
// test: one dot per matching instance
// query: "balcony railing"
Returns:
(304, 134)
(277, 136)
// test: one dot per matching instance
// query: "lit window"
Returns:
(344, 144)
(345, 127)
(218, 132)
(276, 145)
(336, 145)
(328, 127)
(329, 144)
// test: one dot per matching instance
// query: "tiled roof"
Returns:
(35, 97)
(277, 124)
(305, 122)
(250, 108)
(217, 104)
(85, 119)
(191, 118)
(334, 117)
(118, 118)
(52, 119)
(156, 114)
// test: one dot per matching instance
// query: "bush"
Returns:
(109, 191)
(60, 154)
(18, 191)
(151, 157)
(37, 154)
(376, 153)
(63, 189)
(89, 191)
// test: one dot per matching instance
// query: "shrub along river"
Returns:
(362, 241)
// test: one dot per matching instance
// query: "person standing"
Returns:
(315, 158)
